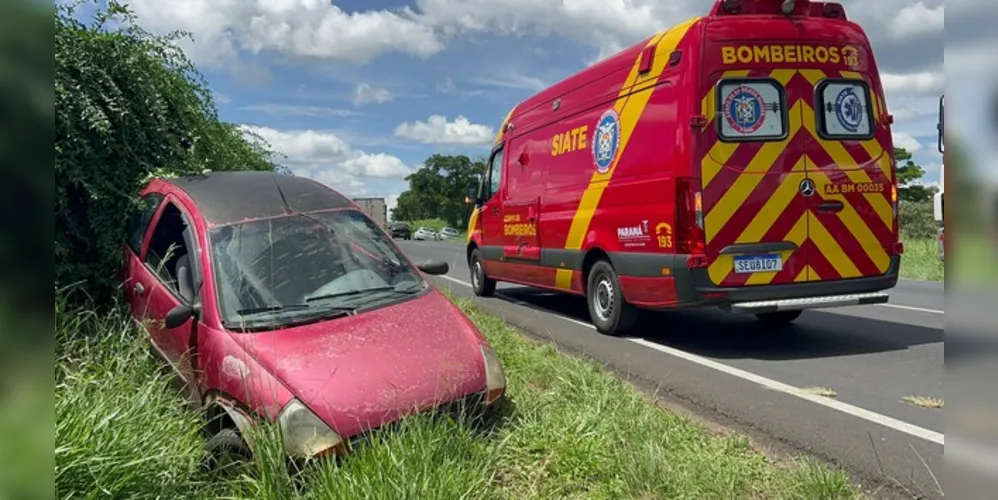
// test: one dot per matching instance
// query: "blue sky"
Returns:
(358, 93)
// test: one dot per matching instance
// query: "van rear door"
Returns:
(752, 170)
(848, 156)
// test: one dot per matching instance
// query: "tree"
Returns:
(908, 175)
(437, 190)
(128, 105)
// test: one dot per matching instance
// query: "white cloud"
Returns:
(906, 141)
(926, 83)
(327, 155)
(917, 19)
(304, 28)
(366, 94)
(437, 130)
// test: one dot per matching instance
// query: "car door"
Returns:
(173, 246)
(492, 215)
(135, 240)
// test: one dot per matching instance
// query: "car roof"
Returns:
(227, 197)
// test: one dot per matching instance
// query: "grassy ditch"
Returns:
(572, 430)
(921, 260)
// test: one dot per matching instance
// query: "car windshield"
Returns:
(305, 267)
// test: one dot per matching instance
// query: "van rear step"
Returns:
(852, 299)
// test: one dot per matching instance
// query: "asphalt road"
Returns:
(729, 370)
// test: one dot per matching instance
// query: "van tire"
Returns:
(608, 310)
(778, 317)
(481, 284)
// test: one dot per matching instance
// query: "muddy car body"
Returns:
(274, 297)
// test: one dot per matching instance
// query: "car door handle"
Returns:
(831, 206)
(495, 211)
(139, 289)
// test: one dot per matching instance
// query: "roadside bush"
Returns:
(129, 105)
(915, 220)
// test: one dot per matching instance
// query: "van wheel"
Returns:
(610, 313)
(779, 317)
(482, 285)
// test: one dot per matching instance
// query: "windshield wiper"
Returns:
(362, 291)
(287, 307)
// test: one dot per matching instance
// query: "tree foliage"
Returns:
(908, 173)
(437, 190)
(129, 105)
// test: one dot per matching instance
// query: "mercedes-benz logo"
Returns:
(807, 188)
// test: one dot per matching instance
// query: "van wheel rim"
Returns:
(603, 298)
(474, 275)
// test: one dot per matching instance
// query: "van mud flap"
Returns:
(821, 302)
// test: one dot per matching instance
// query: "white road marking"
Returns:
(913, 308)
(877, 418)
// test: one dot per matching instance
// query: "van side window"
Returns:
(495, 175)
(751, 109)
(845, 110)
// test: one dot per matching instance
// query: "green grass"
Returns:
(921, 260)
(571, 430)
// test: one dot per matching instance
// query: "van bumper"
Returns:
(693, 287)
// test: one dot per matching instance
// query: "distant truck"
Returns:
(376, 208)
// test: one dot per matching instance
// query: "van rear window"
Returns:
(845, 109)
(751, 110)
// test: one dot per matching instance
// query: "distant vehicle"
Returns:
(401, 230)
(449, 233)
(741, 160)
(375, 208)
(425, 233)
(937, 201)
(274, 298)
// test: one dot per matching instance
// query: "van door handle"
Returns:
(831, 206)
(495, 211)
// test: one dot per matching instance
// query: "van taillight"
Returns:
(689, 216)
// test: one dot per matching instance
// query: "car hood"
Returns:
(359, 372)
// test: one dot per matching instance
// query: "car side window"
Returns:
(139, 221)
(495, 175)
(169, 256)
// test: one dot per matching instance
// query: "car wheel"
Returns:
(610, 313)
(779, 317)
(225, 452)
(482, 285)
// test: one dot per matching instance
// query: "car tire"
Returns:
(225, 451)
(608, 310)
(481, 284)
(778, 317)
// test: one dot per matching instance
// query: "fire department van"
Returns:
(742, 160)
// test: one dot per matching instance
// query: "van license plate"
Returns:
(758, 263)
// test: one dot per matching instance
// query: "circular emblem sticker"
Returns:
(848, 109)
(606, 140)
(745, 110)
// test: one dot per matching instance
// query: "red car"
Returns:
(274, 297)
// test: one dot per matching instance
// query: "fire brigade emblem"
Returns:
(606, 140)
(849, 109)
(745, 110)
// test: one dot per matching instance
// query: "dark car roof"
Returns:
(227, 197)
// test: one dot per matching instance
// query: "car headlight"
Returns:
(495, 378)
(305, 434)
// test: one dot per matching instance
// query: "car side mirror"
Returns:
(472, 198)
(434, 267)
(180, 314)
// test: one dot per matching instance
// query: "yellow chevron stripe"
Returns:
(797, 234)
(804, 273)
(630, 111)
(742, 188)
(502, 128)
(830, 248)
(857, 226)
(472, 224)
(841, 157)
(774, 207)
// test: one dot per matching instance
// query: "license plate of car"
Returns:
(768, 263)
